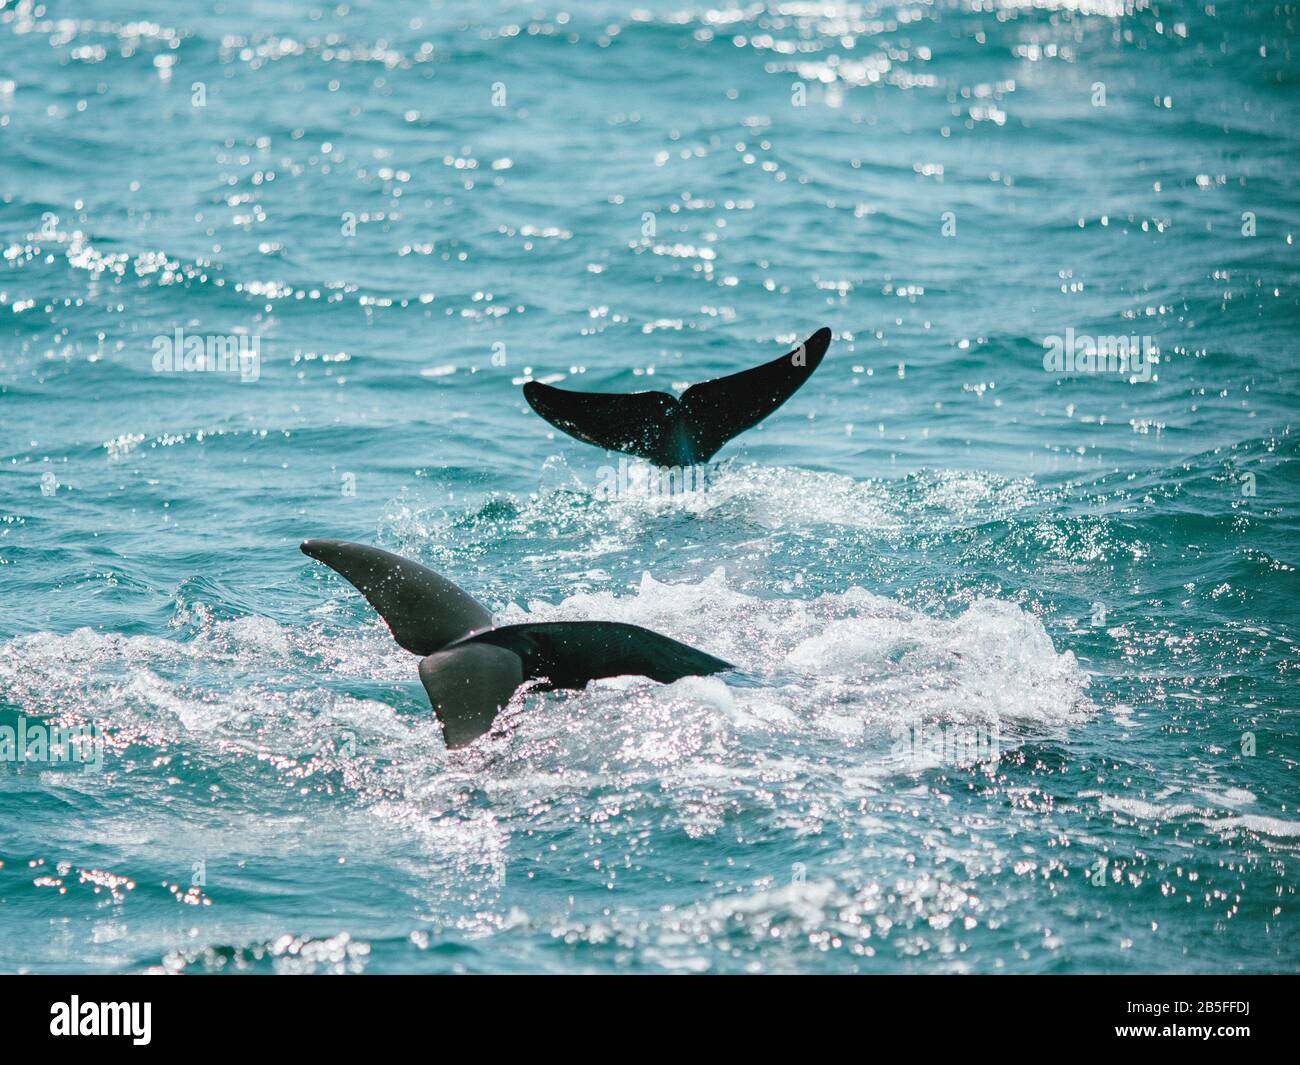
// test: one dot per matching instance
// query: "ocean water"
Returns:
(1018, 640)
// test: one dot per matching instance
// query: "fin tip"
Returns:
(314, 548)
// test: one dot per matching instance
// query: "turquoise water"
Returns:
(1085, 582)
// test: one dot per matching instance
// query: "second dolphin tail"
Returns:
(680, 432)
(469, 669)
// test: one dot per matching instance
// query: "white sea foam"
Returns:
(834, 668)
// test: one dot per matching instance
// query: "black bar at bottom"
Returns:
(1220, 1013)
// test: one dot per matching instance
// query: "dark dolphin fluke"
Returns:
(425, 611)
(470, 668)
(672, 431)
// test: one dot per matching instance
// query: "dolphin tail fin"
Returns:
(424, 611)
(672, 432)
(569, 654)
(720, 409)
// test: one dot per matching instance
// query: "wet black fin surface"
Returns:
(720, 409)
(646, 424)
(425, 611)
(468, 685)
(680, 432)
(571, 653)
